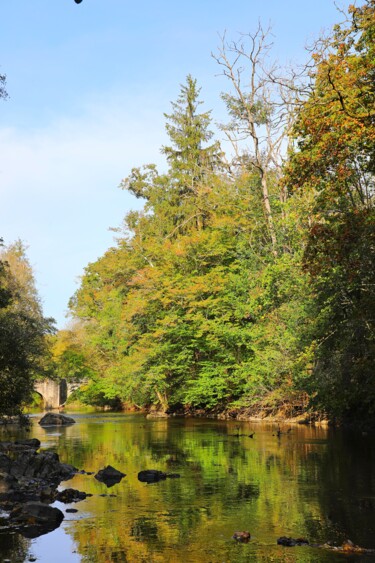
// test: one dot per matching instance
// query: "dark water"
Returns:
(312, 483)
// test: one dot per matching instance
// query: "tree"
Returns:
(333, 165)
(69, 356)
(187, 309)
(190, 161)
(179, 196)
(259, 107)
(23, 330)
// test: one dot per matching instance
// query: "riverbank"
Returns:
(295, 411)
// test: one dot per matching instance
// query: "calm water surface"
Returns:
(312, 483)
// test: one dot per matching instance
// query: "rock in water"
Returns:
(67, 496)
(291, 542)
(243, 537)
(32, 443)
(54, 419)
(109, 476)
(151, 476)
(36, 518)
(20, 445)
(157, 414)
(45, 466)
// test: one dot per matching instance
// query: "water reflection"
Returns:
(13, 547)
(308, 483)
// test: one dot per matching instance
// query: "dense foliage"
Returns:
(334, 162)
(193, 308)
(23, 330)
(246, 282)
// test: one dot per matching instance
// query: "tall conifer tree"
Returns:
(189, 157)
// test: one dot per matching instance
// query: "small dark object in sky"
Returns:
(77, 1)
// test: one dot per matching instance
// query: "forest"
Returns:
(246, 283)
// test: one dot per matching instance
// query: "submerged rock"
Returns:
(243, 537)
(109, 476)
(157, 414)
(55, 419)
(291, 542)
(153, 476)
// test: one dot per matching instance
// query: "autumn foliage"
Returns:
(249, 283)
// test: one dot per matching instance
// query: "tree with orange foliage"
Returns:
(333, 165)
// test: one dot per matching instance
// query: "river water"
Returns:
(310, 482)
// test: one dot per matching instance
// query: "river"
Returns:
(309, 482)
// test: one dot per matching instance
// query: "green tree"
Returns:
(189, 157)
(23, 330)
(188, 309)
(178, 198)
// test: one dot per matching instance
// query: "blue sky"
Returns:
(88, 87)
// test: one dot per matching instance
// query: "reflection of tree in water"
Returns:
(246, 492)
(145, 529)
(347, 490)
(13, 547)
(270, 486)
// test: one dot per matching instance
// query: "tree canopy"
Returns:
(23, 331)
(249, 283)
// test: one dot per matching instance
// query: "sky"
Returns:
(88, 85)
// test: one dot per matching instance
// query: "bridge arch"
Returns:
(54, 393)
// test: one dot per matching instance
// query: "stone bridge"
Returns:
(55, 393)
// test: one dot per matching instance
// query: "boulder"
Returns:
(67, 496)
(32, 443)
(55, 419)
(5, 463)
(45, 466)
(20, 445)
(36, 518)
(109, 476)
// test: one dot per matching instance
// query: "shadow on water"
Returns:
(309, 483)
